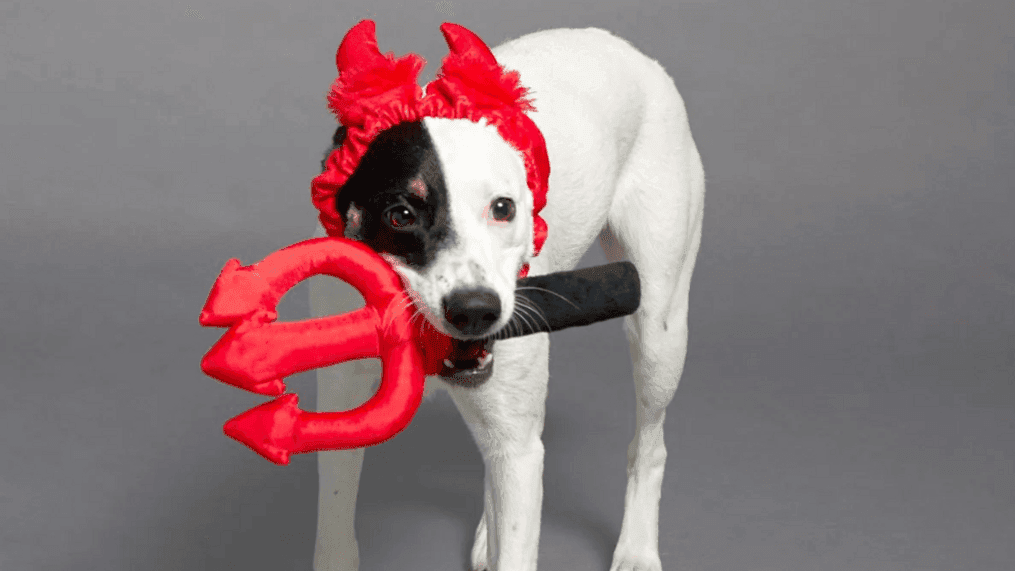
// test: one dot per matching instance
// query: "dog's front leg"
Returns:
(506, 416)
(339, 387)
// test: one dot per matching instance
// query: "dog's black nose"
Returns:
(472, 312)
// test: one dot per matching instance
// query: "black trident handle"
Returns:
(575, 298)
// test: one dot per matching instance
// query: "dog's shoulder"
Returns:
(556, 39)
(589, 63)
(562, 45)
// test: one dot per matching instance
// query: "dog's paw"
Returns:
(479, 547)
(630, 560)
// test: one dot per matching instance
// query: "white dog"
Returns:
(457, 225)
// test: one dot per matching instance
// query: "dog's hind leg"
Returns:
(340, 387)
(505, 416)
(656, 222)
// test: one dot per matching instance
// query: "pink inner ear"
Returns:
(418, 187)
(355, 220)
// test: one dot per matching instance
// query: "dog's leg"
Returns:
(657, 335)
(659, 229)
(658, 360)
(340, 387)
(479, 545)
(505, 416)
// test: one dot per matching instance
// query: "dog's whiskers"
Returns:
(525, 313)
(539, 313)
(526, 307)
(551, 292)
(508, 330)
(523, 319)
(401, 305)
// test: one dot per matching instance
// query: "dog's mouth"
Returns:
(470, 363)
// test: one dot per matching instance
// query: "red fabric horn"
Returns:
(471, 79)
(369, 82)
(358, 49)
(463, 42)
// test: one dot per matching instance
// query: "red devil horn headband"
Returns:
(369, 82)
(464, 43)
(375, 91)
(359, 49)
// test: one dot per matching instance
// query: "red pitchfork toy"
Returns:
(256, 353)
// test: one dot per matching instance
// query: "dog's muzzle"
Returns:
(470, 312)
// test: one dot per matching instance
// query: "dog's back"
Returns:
(604, 109)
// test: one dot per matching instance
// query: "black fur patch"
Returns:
(383, 179)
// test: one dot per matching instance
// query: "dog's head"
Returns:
(446, 203)
(446, 186)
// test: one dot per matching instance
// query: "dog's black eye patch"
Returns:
(400, 188)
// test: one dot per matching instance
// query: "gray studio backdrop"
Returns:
(848, 398)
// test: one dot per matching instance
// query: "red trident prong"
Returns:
(256, 353)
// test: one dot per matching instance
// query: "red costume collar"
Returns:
(374, 92)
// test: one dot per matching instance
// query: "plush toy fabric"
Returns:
(256, 353)
(374, 92)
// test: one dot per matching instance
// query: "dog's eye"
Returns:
(502, 209)
(400, 216)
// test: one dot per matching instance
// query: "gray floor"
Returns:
(848, 399)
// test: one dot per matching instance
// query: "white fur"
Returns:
(624, 167)
(478, 166)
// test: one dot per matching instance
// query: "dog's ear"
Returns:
(354, 222)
